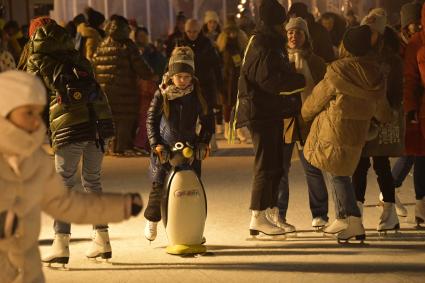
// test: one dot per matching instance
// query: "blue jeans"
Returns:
(419, 177)
(67, 159)
(344, 197)
(401, 168)
(317, 192)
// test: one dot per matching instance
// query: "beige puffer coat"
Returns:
(30, 185)
(91, 38)
(342, 105)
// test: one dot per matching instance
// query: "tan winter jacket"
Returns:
(91, 38)
(342, 105)
(30, 185)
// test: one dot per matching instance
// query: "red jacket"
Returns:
(414, 91)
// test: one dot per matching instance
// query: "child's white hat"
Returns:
(19, 88)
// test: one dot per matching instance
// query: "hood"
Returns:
(117, 30)
(51, 39)
(358, 76)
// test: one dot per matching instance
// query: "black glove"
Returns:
(8, 224)
(136, 204)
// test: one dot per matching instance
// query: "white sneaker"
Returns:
(388, 219)
(337, 226)
(420, 211)
(101, 246)
(151, 230)
(59, 251)
(354, 229)
(260, 223)
(318, 223)
(399, 207)
(272, 215)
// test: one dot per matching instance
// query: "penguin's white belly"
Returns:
(186, 209)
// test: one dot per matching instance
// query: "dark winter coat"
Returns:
(50, 48)
(265, 74)
(180, 123)
(118, 66)
(172, 41)
(321, 41)
(207, 67)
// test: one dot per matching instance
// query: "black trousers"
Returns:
(268, 162)
(382, 167)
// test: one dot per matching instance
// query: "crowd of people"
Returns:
(339, 92)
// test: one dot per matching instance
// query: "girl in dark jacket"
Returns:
(172, 117)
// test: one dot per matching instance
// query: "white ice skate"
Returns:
(260, 224)
(101, 246)
(151, 230)
(272, 215)
(243, 135)
(319, 224)
(388, 220)
(420, 212)
(337, 226)
(59, 251)
(399, 207)
(354, 230)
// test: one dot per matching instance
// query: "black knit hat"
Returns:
(298, 9)
(357, 40)
(410, 13)
(272, 13)
(181, 61)
(94, 18)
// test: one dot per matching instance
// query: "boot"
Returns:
(337, 226)
(388, 219)
(151, 230)
(420, 211)
(272, 215)
(101, 247)
(259, 223)
(318, 223)
(354, 229)
(399, 207)
(60, 250)
(243, 136)
(226, 131)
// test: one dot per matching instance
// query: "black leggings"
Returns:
(382, 167)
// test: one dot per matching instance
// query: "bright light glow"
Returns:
(238, 15)
(243, 1)
(240, 6)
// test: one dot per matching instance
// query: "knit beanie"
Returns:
(376, 20)
(94, 18)
(211, 16)
(19, 89)
(38, 23)
(410, 13)
(298, 23)
(272, 13)
(357, 40)
(298, 9)
(181, 61)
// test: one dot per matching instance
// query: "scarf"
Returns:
(298, 57)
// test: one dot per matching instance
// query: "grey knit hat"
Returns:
(298, 23)
(181, 61)
(376, 20)
(410, 13)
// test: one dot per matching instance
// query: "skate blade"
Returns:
(61, 266)
(101, 258)
(360, 238)
(386, 232)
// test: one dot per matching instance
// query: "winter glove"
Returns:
(8, 224)
(412, 117)
(202, 150)
(162, 152)
(136, 204)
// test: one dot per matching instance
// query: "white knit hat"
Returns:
(376, 19)
(298, 23)
(211, 15)
(19, 88)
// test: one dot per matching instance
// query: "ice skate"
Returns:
(59, 251)
(337, 226)
(354, 230)
(388, 220)
(260, 224)
(243, 136)
(420, 212)
(399, 207)
(272, 215)
(319, 224)
(100, 247)
(151, 230)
